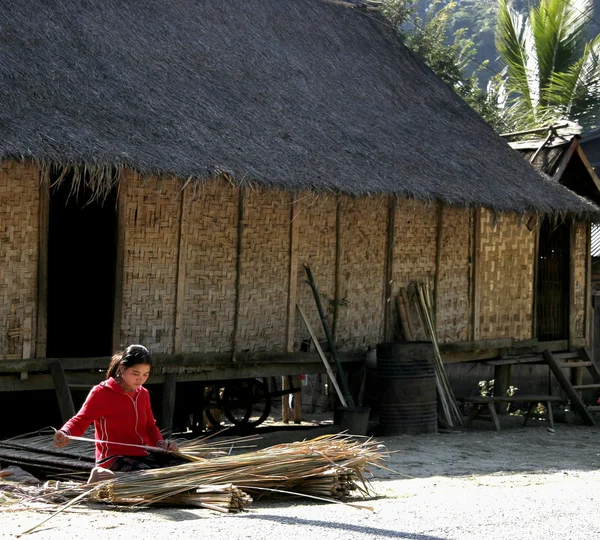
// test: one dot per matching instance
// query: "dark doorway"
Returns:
(81, 270)
(552, 295)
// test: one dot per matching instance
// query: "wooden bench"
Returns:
(481, 402)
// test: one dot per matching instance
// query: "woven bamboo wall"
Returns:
(151, 222)
(453, 311)
(414, 248)
(264, 271)
(363, 247)
(316, 247)
(19, 226)
(209, 244)
(580, 281)
(505, 278)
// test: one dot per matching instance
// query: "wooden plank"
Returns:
(238, 270)
(513, 399)
(475, 264)
(181, 258)
(462, 346)
(315, 340)
(41, 333)
(63, 392)
(292, 277)
(388, 302)
(119, 266)
(572, 260)
(576, 402)
(169, 392)
(403, 319)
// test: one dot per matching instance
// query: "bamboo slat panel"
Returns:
(264, 271)
(316, 247)
(580, 283)
(19, 226)
(151, 216)
(453, 309)
(506, 277)
(414, 247)
(363, 249)
(210, 267)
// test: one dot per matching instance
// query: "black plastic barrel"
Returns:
(408, 397)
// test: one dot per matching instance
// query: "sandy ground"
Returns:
(475, 483)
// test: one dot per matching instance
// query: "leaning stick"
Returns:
(322, 355)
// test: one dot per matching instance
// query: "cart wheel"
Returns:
(246, 402)
(211, 398)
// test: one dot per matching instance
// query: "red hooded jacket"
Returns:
(117, 415)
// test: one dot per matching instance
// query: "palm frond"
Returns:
(514, 41)
(558, 28)
(576, 92)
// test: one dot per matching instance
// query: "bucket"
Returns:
(354, 420)
(408, 397)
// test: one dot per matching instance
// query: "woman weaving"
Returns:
(120, 409)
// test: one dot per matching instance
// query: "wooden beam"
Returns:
(238, 271)
(181, 258)
(475, 264)
(179, 362)
(63, 392)
(41, 333)
(119, 264)
(438, 256)
(388, 301)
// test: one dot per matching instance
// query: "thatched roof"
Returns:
(293, 94)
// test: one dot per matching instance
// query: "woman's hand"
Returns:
(168, 446)
(61, 439)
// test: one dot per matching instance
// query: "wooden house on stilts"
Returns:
(167, 168)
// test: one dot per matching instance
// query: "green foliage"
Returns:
(450, 61)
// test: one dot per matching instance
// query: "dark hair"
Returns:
(131, 356)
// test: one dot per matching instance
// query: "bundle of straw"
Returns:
(448, 407)
(330, 466)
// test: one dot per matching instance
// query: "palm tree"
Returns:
(551, 73)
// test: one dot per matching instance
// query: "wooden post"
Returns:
(119, 265)
(502, 375)
(291, 311)
(285, 404)
(169, 389)
(572, 256)
(238, 270)
(438, 256)
(180, 291)
(297, 400)
(388, 325)
(475, 264)
(338, 265)
(61, 387)
(42, 281)
(536, 256)
(587, 323)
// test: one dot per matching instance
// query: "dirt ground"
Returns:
(473, 483)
